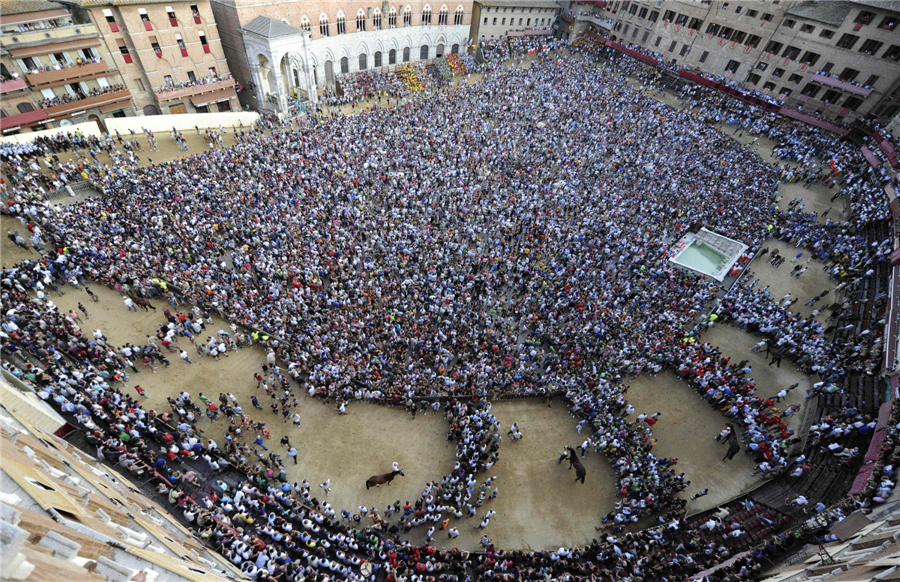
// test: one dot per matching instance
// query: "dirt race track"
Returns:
(539, 505)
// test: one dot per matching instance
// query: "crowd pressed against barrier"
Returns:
(506, 237)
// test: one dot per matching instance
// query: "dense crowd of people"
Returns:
(505, 237)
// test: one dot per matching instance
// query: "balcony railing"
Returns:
(36, 80)
(601, 22)
(849, 87)
(172, 94)
(89, 103)
(12, 85)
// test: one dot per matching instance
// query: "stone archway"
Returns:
(148, 110)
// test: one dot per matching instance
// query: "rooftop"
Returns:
(10, 7)
(832, 13)
(519, 3)
(271, 28)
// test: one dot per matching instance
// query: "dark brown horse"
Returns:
(376, 480)
(142, 303)
(574, 461)
(733, 446)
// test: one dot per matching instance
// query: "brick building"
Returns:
(497, 18)
(56, 70)
(169, 53)
(300, 47)
(840, 59)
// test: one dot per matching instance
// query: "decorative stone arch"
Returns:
(293, 71)
(424, 39)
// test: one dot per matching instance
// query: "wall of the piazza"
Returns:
(772, 47)
(346, 41)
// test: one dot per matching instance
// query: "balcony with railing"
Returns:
(606, 23)
(55, 77)
(843, 85)
(12, 85)
(182, 90)
(114, 95)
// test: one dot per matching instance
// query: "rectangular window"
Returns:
(870, 47)
(713, 29)
(847, 41)
(795, 78)
(704, 56)
(170, 12)
(864, 17)
(852, 103)
(752, 13)
(123, 50)
(753, 41)
(110, 20)
(786, 91)
(810, 58)
(831, 96)
(826, 33)
(774, 47)
(695, 24)
(778, 73)
(138, 84)
(738, 36)
(762, 65)
(769, 86)
(827, 68)
(195, 12)
(145, 19)
(807, 28)
(503, 22)
(672, 46)
(893, 53)
(643, 13)
(645, 37)
(767, 17)
(685, 49)
(753, 78)
(888, 23)
(669, 15)
(733, 66)
(849, 74)
(811, 90)
(156, 48)
(495, 21)
(169, 80)
(653, 16)
(485, 20)
(791, 52)
(870, 82)
(191, 76)
(657, 41)
(790, 23)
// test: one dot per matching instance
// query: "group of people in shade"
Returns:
(507, 237)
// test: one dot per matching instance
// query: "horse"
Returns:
(142, 303)
(376, 480)
(733, 446)
(574, 461)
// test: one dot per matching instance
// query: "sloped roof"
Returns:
(270, 28)
(890, 5)
(8, 7)
(832, 13)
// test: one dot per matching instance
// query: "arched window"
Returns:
(323, 25)
(392, 18)
(360, 21)
(406, 55)
(423, 52)
(392, 57)
(426, 15)
(376, 19)
(442, 16)
(345, 65)
(407, 16)
(378, 59)
(458, 17)
(362, 62)
(25, 107)
(341, 24)
(454, 49)
(305, 24)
